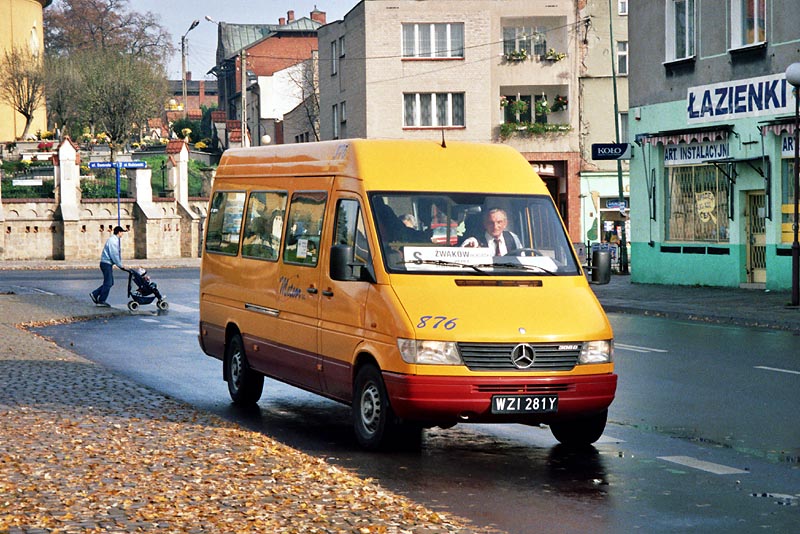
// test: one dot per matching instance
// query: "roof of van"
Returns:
(391, 164)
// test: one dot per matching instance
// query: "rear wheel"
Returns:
(580, 432)
(244, 384)
(162, 305)
(133, 305)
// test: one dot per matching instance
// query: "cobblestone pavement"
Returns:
(82, 450)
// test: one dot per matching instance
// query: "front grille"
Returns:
(533, 389)
(497, 356)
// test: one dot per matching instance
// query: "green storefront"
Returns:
(711, 186)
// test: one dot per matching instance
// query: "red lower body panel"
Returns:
(443, 399)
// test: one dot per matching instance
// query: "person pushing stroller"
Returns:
(111, 255)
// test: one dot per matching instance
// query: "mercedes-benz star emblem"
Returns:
(522, 356)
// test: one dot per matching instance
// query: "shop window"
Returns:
(697, 204)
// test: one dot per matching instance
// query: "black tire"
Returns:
(580, 432)
(133, 305)
(162, 305)
(244, 384)
(373, 419)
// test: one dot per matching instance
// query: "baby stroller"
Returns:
(142, 290)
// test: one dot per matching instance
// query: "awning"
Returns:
(778, 128)
(689, 135)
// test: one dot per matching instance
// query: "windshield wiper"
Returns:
(442, 263)
(523, 267)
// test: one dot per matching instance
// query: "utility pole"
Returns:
(245, 138)
(623, 241)
(183, 65)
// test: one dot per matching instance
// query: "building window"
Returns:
(680, 29)
(334, 59)
(441, 40)
(622, 7)
(343, 112)
(623, 127)
(697, 204)
(622, 58)
(748, 22)
(341, 46)
(433, 109)
(335, 113)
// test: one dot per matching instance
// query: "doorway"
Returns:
(755, 221)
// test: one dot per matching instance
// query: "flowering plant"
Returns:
(552, 55)
(44, 146)
(560, 103)
(516, 55)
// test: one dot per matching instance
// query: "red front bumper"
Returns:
(450, 399)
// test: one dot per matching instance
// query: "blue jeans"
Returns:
(108, 280)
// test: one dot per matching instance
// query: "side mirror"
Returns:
(341, 256)
(343, 267)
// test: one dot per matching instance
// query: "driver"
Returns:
(500, 240)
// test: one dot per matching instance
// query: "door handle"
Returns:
(327, 292)
(312, 290)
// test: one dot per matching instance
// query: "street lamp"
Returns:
(793, 77)
(183, 62)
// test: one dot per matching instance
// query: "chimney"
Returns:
(202, 91)
(282, 21)
(290, 15)
(188, 75)
(318, 16)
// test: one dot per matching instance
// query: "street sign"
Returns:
(611, 151)
(117, 164)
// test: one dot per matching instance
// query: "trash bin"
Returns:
(601, 267)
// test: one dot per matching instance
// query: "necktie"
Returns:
(497, 247)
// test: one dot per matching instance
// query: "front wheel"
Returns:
(580, 432)
(244, 384)
(372, 415)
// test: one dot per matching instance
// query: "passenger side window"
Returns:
(264, 225)
(225, 222)
(304, 229)
(350, 231)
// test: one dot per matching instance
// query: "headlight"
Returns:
(597, 352)
(429, 352)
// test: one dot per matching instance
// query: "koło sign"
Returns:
(611, 151)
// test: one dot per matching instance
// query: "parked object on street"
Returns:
(310, 276)
(142, 290)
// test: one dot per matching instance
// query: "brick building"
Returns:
(271, 53)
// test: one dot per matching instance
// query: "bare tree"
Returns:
(62, 90)
(120, 90)
(75, 25)
(22, 84)
(306, 80)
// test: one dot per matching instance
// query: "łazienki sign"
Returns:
(753, 97)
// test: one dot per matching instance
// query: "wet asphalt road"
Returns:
(700, 436)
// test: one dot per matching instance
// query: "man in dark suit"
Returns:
(495, 235)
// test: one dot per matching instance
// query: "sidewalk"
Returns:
(742, 307)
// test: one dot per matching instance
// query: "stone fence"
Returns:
(71, 228)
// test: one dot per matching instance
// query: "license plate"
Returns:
(524, 403)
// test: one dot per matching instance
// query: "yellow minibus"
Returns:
(422, 283)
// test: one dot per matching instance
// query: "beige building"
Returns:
(21, 26)
(601, 217)
(505, 71)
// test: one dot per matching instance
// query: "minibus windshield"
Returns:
(471, 233)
